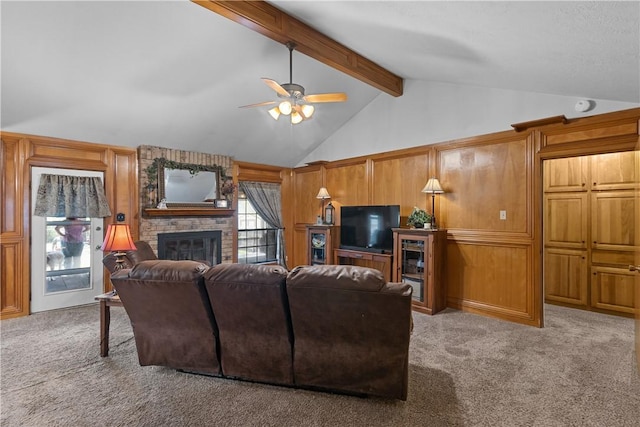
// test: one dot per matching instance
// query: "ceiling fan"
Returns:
(294, 102)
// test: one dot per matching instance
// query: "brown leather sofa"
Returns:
(333, 328)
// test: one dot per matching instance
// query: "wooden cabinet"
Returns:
(569, 174)
(590, 232)
(565, 220)
(419, 260)
(381, 262)
(613, 289)
(613, 220)
(566, 276)
(321, 240)
(614, 171)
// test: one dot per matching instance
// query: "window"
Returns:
(257, 240)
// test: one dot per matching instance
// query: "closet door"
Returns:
(565, 220)
(569, 174)
(566, 276)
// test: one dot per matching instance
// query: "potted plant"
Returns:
(418, 218)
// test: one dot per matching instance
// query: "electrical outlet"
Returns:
(503, 215)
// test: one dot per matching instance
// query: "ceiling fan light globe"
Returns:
(275, 113)
(296, 118)
(308, 110)
(285, 108)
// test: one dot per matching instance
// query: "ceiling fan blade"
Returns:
(259, 104)
(326, 97)
(276, 86)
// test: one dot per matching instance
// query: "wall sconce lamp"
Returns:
(323, 194)
(433, 187)
(117, 240)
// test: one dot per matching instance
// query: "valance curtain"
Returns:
(71, 197)
(266, 200)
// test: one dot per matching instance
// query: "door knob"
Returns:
(634, 268)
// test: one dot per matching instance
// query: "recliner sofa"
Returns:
(332, 328)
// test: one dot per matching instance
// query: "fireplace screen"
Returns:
(193, 245)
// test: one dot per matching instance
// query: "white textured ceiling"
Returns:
(172, 73)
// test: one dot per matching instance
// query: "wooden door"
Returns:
(565, 216)
(613, 225)
(566, 276)
(613, 289)
(568, 174)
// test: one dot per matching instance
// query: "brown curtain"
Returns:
(71, 197)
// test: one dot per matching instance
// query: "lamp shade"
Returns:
(285, 108)
(323, 194)
(275, 113)
(296, 117)
(118, 238)
(433, 187)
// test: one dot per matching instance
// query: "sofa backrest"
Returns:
(250, 306)
(172, 320)
(351, 329)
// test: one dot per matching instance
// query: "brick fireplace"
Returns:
(151, 227)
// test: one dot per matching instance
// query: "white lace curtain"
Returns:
(71, 197)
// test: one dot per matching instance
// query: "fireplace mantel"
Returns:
(188, 211)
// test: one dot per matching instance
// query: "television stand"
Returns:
(382, 262)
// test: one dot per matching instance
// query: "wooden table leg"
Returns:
(105, 320)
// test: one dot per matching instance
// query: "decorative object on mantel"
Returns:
(162, 204)
(418, 218)
(227, 189)
(222, 203)
(433, 187)
(323, 194)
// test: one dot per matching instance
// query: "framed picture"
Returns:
(222, 203)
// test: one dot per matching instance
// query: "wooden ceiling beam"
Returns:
(272, 22)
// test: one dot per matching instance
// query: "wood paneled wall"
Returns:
(494, 266)
(18, 153)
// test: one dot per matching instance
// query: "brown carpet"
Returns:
(465, 370)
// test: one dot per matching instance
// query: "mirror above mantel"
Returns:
(185, 189)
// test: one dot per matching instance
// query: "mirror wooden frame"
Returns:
(161, 164)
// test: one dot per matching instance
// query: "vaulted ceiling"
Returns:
(173, 73)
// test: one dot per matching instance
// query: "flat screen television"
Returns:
(368, 228)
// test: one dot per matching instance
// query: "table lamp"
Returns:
(433, 187)
(323, 194)
(117, 240)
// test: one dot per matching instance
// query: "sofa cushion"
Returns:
(252, 314)
(337, 276)
(170, 313)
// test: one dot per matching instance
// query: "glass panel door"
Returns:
(412, 269)
(66, 260)
(318, 248)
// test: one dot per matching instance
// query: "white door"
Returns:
(66, 261)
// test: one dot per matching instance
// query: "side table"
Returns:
(108, 300)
